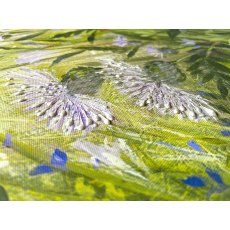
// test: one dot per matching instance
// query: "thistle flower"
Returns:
(164, 99)
(39, 91)
(154, 51)
(120, 41)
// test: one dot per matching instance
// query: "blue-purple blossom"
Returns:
(8, 140)
(154, 51)
(215, 176)
(96, 162)
(120, 41)
(41, 169)
(195, 146)
(194, 181)
(151, 50)
(58, 158)
(225, 133)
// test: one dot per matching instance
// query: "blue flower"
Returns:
(58, 158)
(225, 133)
(96, 162)
(215, 176)
(120, 41)
(41, 169)
(8, 141)
(194, 145)
(194, 181)
(154, 51)
(151, 50)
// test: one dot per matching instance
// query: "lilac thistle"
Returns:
(154, 51)
(40, 92)
(120, 41)
(164, 99)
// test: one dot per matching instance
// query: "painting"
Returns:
(114, 115)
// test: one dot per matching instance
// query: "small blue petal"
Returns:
(151, 50)
(58, 158)
(8, 141)
(214, 175)
(120, 41)
(96, 162)
(225, 133)
(194, 145)
(41, 169)
(194, 181)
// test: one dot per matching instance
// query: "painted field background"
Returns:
(149, 157)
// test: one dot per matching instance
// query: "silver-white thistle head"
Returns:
(164, 99)
(39, 91)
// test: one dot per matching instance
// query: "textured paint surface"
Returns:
(194, 181)
(114, 115)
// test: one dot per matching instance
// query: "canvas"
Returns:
(112, 114)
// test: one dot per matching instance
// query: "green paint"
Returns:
(77, 57)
